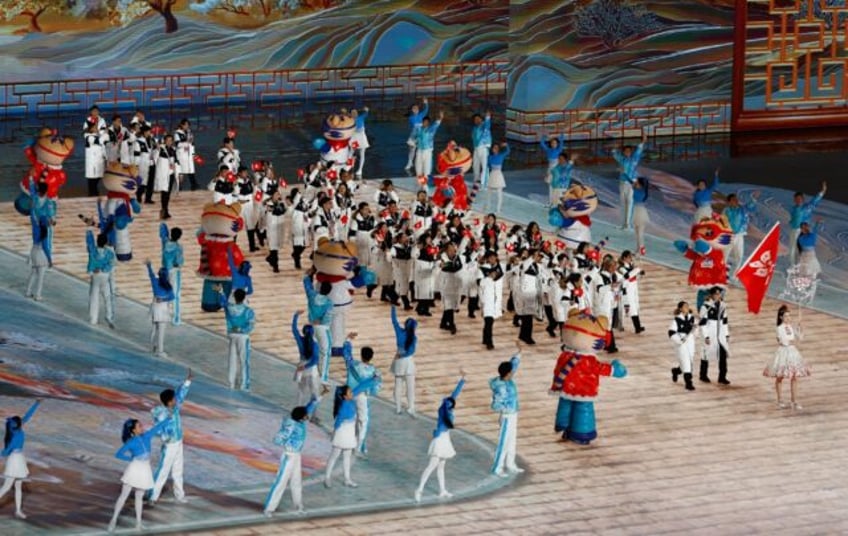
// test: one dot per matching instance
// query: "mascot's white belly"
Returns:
(575, 233)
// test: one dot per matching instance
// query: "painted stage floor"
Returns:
(720, 460)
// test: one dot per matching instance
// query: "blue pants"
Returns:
(209, 300)
(576, 421)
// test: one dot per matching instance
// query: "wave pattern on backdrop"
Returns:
(617, 67)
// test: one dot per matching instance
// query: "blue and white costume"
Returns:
(292, 437)
(798, 214)
(344, 431)
(160, 313)
(16, 465)
(441, 448)
(807, 260)
(172, 259)
(360, 139)
(359, 372)
(626, 178)
(240, 322)
(552, 155)
(738, 217)
(561, 179)
(703, 200)
(41, 218)
(424, 148)
(496, 179)
(171, 456)
(403, 366)
(505, 402)
(306, 377)
(641, 218)
(320, 309)
(101, 262)
(415, 121)
(481, 140)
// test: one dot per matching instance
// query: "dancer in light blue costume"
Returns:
(424, 140)
(806, 244)
(320, 308)
(306, 375)
(13, 450)
(628, 161)
(292, 437)
(137, 476)
(344, 429)
(505, 402)
(160, 312)
(359, 137)
(641, 218)
(441, 448)
(42, 217)
(800, 212)
(561, 177)
(552, 148)
(240, 274)
(172, 259)
(403, 365)
(101, 262)
(738, 216)
(702, 198)
(240, 323)
(496, 181)
(171, 456)
(416, 116)
(481, 141)
(358, 372)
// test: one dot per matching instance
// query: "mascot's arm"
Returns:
(363, 277)
(135, 206)
(122, 218)
(618, 370)
(602, 369)
(560, 372)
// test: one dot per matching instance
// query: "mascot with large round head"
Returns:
(219, 226)
(336, 148)
(710, 239)
(46, 153)
(572, 215)
(452, 164)
(116, 214)
(577, 375)
(337, 263)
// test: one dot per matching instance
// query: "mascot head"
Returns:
(222, 221)
(338, 127)
(51, 148)
(336, 259)
(585, 333)
(454, 160)
(120, 179)
(715, 231)
(579, 200)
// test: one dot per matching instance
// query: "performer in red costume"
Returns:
(711, 237)
(220, 223)
(46, 154)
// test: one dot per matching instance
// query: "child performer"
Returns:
(308, 384)
(403, 366)
(628, 161)
(561, 177)
(787, 362)
(16, 465)
(738, 216)
(320, 308)
(359, 137)
(641, 218)
(481, 140)
(292, 437)
(416, 115)
(171, 457)
(160, 312)
(172, 260)
(424, 143)
(137, 476)
(240, 322)
(496, 182)
(629, 274)
(702, 198)
(358, 372)
(552, 148)
(441, 448)
(101, 262)
(344, 429)
(682, 331)
(505, 402)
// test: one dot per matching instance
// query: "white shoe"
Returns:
(398, 411)
(181, 500)
(411, 414)
(351, 484)
(361, 455)
(20, 515)
(139, 527)
(268, 513)
(501, 474)
(36, 298)
(797, 406)
(418, 495)
(299, 511)
(162, 355)
(782, 405)
(517, 470)
(445, 494)
(111, 527)
(327, 483)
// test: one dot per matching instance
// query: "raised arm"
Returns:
(309, 287)
(150, 274)
(298, 338)
(458, 389)
(164, 234)
(395, 322)
(313, 405)
(124, 453)
(506, 150)
(30, 412)
(231, 260)
(157, 428)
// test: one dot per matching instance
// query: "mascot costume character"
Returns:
(452, 164)
(46, 153)
(336, 147)
(572, 215)
(577, 374)
(116, 213)
(219, 226)
(336, 262)
(710, 238)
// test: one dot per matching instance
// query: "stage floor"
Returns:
(717, 460)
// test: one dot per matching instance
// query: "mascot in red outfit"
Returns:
(711, 237)
(46, 154)
(219, 226)
(452, 164)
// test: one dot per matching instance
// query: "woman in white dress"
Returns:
(787, 362)
(344, 429)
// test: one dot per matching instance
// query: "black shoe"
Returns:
(687, 377)
(640, 330)
(453, 332)
(724, 381)
(675, 372)
(705, 367)
(528, 341)
(551, 332)
(490, 347)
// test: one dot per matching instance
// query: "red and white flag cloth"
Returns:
(756, 273)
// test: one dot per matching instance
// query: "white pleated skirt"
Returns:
(442, 446)
(344, 437)
(16, 466)
(496, 180)
(403, 366)
(160, 311)
(138, 474)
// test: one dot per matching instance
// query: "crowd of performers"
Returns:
(417, 254)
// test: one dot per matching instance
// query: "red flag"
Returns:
(756, 272)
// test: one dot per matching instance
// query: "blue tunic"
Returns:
(18, 436)
(445, 415)
(504, 392)
(173, 431)
(301, 345)
(138, 447)
(628, 163)
(292, 434)
(400, 337)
